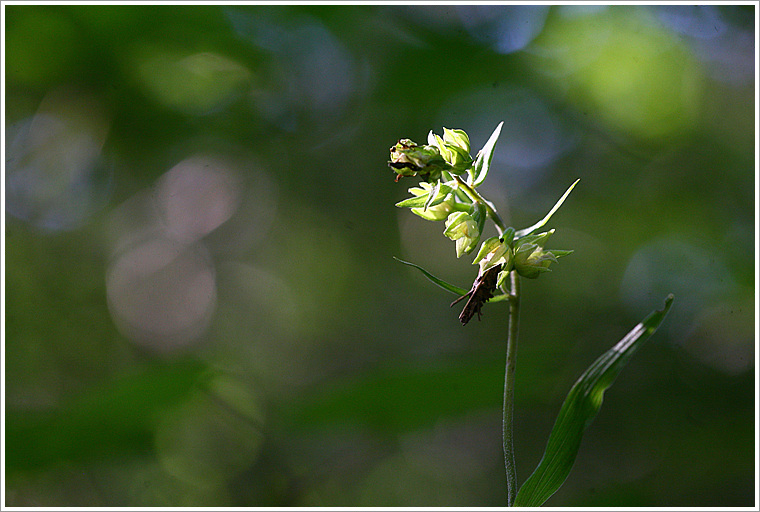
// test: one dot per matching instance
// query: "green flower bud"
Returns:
(410, 159)
(531, 260)
(440, 211)
(442, 205)
(459, 159)
(502, 277)
(457, 138)
(479, 215)
(494, 252)
(539, 239)
(461, 227)
(508, 236)
(454, 148)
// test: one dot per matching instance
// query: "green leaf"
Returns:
(542, 222)
(578, 411)
(440, 282)
(483, 159)
(448, 286)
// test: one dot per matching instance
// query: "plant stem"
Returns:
(476, 197)
(509, 388)
(512, 330)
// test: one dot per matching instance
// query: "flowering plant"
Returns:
(448, 192)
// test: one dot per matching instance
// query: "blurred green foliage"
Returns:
(202, 308)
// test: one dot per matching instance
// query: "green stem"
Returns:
(476, 197)
(509, 388)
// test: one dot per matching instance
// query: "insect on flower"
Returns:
(481, 291)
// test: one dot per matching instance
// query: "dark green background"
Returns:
(235, 332)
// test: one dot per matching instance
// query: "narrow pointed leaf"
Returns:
(448, 286)
(538, 225)
(558, 253)
(578, 411)
(483, 159)
(440, 282)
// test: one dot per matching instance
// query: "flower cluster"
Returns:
(447, 192)
(526, 255)
(450, 153)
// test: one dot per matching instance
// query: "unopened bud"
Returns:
(461, 227)
(531, 259)
(410, 159)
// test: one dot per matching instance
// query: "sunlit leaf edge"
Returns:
(483, 159)
(578, 411)
(527, 231)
